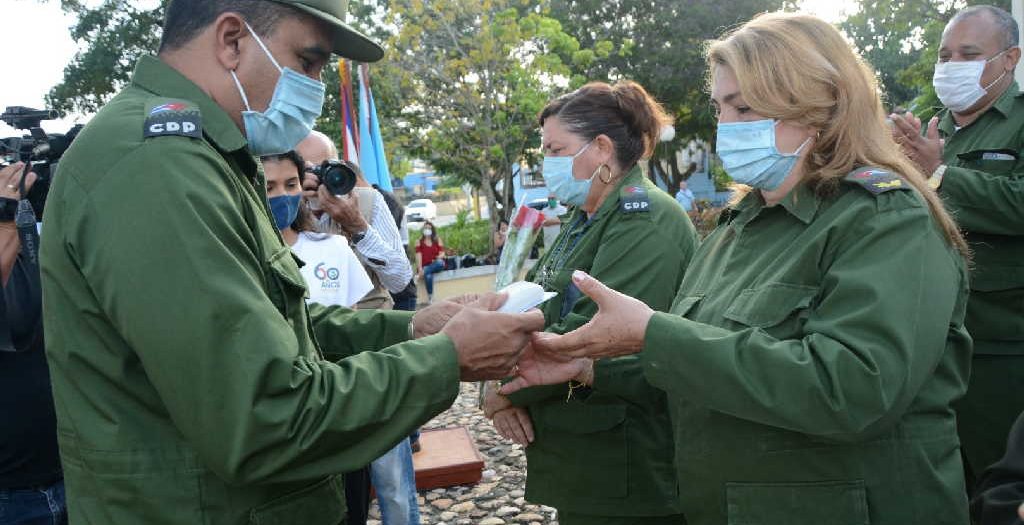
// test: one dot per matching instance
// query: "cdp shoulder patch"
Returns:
(172, 117)
(877, 181)
(634, 199)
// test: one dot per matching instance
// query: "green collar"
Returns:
(801, 203)
(153, 75)
(1003, 104)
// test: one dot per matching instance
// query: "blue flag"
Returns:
(371, 145)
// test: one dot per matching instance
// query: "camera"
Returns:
(37, 149)
(339, 176)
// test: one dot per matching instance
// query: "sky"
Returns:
(37, 45)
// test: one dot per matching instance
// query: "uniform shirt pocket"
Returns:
(770, 304)
(833, 502)
(995, 161)
(322, 503)
(286, 287)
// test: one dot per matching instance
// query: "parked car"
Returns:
(538, 204)
(421, 210)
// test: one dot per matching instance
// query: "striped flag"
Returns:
(349, 129)
(371, 143)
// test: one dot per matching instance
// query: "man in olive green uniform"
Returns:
(189, 377)
(972, 151)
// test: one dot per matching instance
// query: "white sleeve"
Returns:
(381, 248)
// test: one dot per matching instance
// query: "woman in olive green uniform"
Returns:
(816, 342)
(603, 455)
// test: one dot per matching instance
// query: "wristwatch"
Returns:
(936, 179)
(356, 237)
(8, 209)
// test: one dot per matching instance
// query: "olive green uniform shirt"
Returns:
(189, 377)
(984, 190)
(810, 359)
(608, 450)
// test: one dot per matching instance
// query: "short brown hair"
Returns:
(623, 112)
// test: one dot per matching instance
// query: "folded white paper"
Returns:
(524, 295)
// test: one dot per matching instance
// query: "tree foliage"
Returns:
(464, 81)
(660, 44)
(115, 33)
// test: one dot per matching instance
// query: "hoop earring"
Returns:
(609, 170)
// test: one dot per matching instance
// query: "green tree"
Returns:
(660, 44)
(115, 33)
(900, 38)
(467, 79)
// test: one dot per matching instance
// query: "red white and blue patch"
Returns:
(173, 106)
(877, 181)
(174, 117)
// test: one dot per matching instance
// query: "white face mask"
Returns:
(958, 84)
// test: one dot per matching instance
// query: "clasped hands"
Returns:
(617, 329)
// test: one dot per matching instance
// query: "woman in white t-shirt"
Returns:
(332, 272)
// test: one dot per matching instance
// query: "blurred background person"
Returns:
(602, 455)
(553, 213)
(1000, 494)
(685, 197)
(31, 480)
(364, 217)
(429, 257)
(373, 234)
(332, 272)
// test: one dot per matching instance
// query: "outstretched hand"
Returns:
(489, 343)
(535, 368)
(617, 329)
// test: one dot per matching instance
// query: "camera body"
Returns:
(339, 176)
(38, 149)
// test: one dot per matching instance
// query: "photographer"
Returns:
(31, 484)
(363, 217)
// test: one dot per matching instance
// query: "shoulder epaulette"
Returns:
(634, 199)
(166, 117)
(876, 180)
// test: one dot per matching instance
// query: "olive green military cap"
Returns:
(347, 42)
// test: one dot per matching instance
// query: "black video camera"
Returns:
(37, 149)
(338, 175)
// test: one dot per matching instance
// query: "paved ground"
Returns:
(498, 498)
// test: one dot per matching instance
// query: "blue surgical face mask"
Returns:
(285, 209)
(749, 154)
(297, 102)
(557, 173)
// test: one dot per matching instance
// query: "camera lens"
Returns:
(338, 177)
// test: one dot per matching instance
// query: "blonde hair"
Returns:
(798, 68)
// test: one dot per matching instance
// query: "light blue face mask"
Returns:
(557, 173)
(297, 102)
(749, 154)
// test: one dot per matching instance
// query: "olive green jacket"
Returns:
(189, 377)
(608, 451)
(811, 357)
(984, 189)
